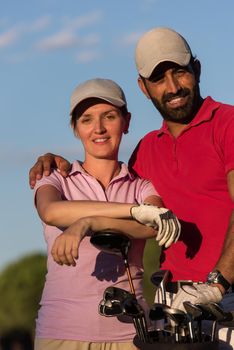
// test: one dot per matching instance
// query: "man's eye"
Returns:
(157, 78)
(181, 71)
(110, 116)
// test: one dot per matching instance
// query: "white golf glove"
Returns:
(161, 219)
(197, 294)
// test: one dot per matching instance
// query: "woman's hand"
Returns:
(66, 246)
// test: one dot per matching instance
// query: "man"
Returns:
(190, 161)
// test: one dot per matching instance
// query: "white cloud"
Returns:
(130, 39)
(60, 40)
(83, 21)
(91, 39)
(87, 56)
(12, 35)
(9, 37)
(40, 24)
(68, 37)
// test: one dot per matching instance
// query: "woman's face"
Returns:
(100, 128)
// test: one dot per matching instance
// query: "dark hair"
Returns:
(191, 63)
(79, 110)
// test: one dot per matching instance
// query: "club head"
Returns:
(220, 314)
(111, 242)
(111, 304)
(131, 307)
(110, 308)
(207, 314)
(193, 310)
(157, 312)
(158, 276)
(178, 316)
(115, 293)
(159, 279)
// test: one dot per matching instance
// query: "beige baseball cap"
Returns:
(159, 45)
(104, 89)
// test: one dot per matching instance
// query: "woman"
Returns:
(99, 193)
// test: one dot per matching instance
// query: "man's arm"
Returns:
(225, 263)
(44, 165)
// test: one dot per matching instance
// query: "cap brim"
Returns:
(114, 102)
(146, 71)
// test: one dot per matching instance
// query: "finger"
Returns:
(62, 255)
(35, 173)
(58, 250)
(172, 233)
(178, 229)
(163, 228)
(160, 228)
(63, 165)
(68, 253)
(47, 163)
(75, 249)
(54, 253)
(167, 232)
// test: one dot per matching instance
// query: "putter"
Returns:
(159, 279)
(114, 243)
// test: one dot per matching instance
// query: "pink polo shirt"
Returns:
(69, 304)
(190, 174)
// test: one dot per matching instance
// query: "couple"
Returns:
(190, 162)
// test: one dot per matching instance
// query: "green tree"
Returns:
(21, 286)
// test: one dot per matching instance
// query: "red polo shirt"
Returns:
(189, 172)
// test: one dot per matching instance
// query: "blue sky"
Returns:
(47, 47)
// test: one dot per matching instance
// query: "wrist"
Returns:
(215, 278)
(218, 285)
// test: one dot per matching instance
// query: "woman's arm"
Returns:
(56, 212)
(66, 245)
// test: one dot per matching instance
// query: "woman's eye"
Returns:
(85, 120)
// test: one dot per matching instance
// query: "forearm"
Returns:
(57, 212)
(225, 263)
(130, 228)
(64, 213)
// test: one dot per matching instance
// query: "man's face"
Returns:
(174, 91)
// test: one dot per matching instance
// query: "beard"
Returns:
(184, 114)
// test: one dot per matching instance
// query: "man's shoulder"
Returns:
(221, 107)
(150, 135)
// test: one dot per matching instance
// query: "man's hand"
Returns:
(161, 219)
(44, 165)
(197, 294)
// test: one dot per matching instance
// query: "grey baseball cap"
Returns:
(104, 89)
(159, 45)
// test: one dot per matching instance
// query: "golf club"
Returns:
(195, 314)
(159, 279)
(209, 315)
(114, 243)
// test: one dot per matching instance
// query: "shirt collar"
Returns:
(124, 171)
(205, 113)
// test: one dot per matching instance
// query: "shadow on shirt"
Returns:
(191, 237)
(108, 267)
